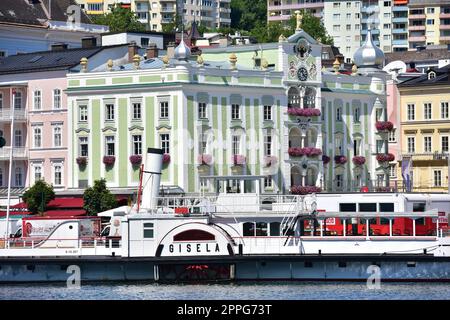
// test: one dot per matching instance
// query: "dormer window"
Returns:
(431, 75)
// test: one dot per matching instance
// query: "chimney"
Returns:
(88, 42)
(152, 51)
(59, 46)
(171, 50)
(132, 51)
(151, 178)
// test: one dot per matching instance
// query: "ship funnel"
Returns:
(151, 178)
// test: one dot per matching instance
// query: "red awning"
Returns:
(20, 205)
(66, 203)
(65, 213)
(14, 213)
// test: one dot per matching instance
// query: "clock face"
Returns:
(302, 74)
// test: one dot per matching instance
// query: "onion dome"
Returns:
(182, 51)
(369, 55)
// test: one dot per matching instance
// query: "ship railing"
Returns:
(95, 245)
(230, 204)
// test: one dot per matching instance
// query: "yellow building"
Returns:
(425, 129)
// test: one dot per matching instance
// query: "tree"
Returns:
(251, 16)
(38, 196)
(98, 198)
(312, 25)
(119, 20)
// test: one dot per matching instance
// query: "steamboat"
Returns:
(235, 235)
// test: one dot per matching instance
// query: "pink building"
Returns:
(33, 86)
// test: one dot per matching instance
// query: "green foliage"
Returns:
(173, 26)
(98, 198)
(38, 196)
(119, 20)
(251, 16)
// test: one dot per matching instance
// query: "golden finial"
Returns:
(200, 60)
(233, 60)
(336, 65)
(136, 61)
(299, 20)
(165, 60)
(110, 64)
(264, 64)
(84, 64)
(281, 38)
(354, 69)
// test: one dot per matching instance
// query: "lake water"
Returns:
(229, 291)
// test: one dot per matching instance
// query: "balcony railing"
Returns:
(427, 156)
(19, 115)
(19, 153)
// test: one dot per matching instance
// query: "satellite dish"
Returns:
(395, 67)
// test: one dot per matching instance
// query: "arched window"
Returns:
(248, 229)
(309, 100)
(293, 98)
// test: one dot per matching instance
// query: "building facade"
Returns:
(157, 13)
(425, 129)
(32, 86)
(231, 116)
(31, 26)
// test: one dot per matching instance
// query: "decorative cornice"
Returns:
(136, 127)
(426, 130)
(82, 130)
(109, 128)
(163, 125)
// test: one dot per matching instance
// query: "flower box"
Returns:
(308, 151)
(325, 159)
(109, 160)
(359, 160)
(305, 189)
(304, 112)
(166, 158)
(388, 157)
(82, 161)
(136, 159)
(340, 159)
(204, 159)
(238, 159)
(384, 125)
(270, 161)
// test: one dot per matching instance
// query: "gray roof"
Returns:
(156, 63)
(442, 77)
(45, 60)
(36, 12)
(418, 56)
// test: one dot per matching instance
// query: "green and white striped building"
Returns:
(225, 113)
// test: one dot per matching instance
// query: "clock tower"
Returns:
(300, 61)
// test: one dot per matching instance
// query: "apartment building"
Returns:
(282, 10)
(157, 13)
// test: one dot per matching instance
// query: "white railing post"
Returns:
(414, 227)
(390, 227)
(344, 231)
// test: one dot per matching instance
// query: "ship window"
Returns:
(148, 230)
(347, 207)
(308, 264)
(384, 221)
(249, 229)
(274, 229)
(342, 264)
(419, 207)
(194, 235)
(411, 264)
(261, 229)
(386, 207)
(367, 207)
